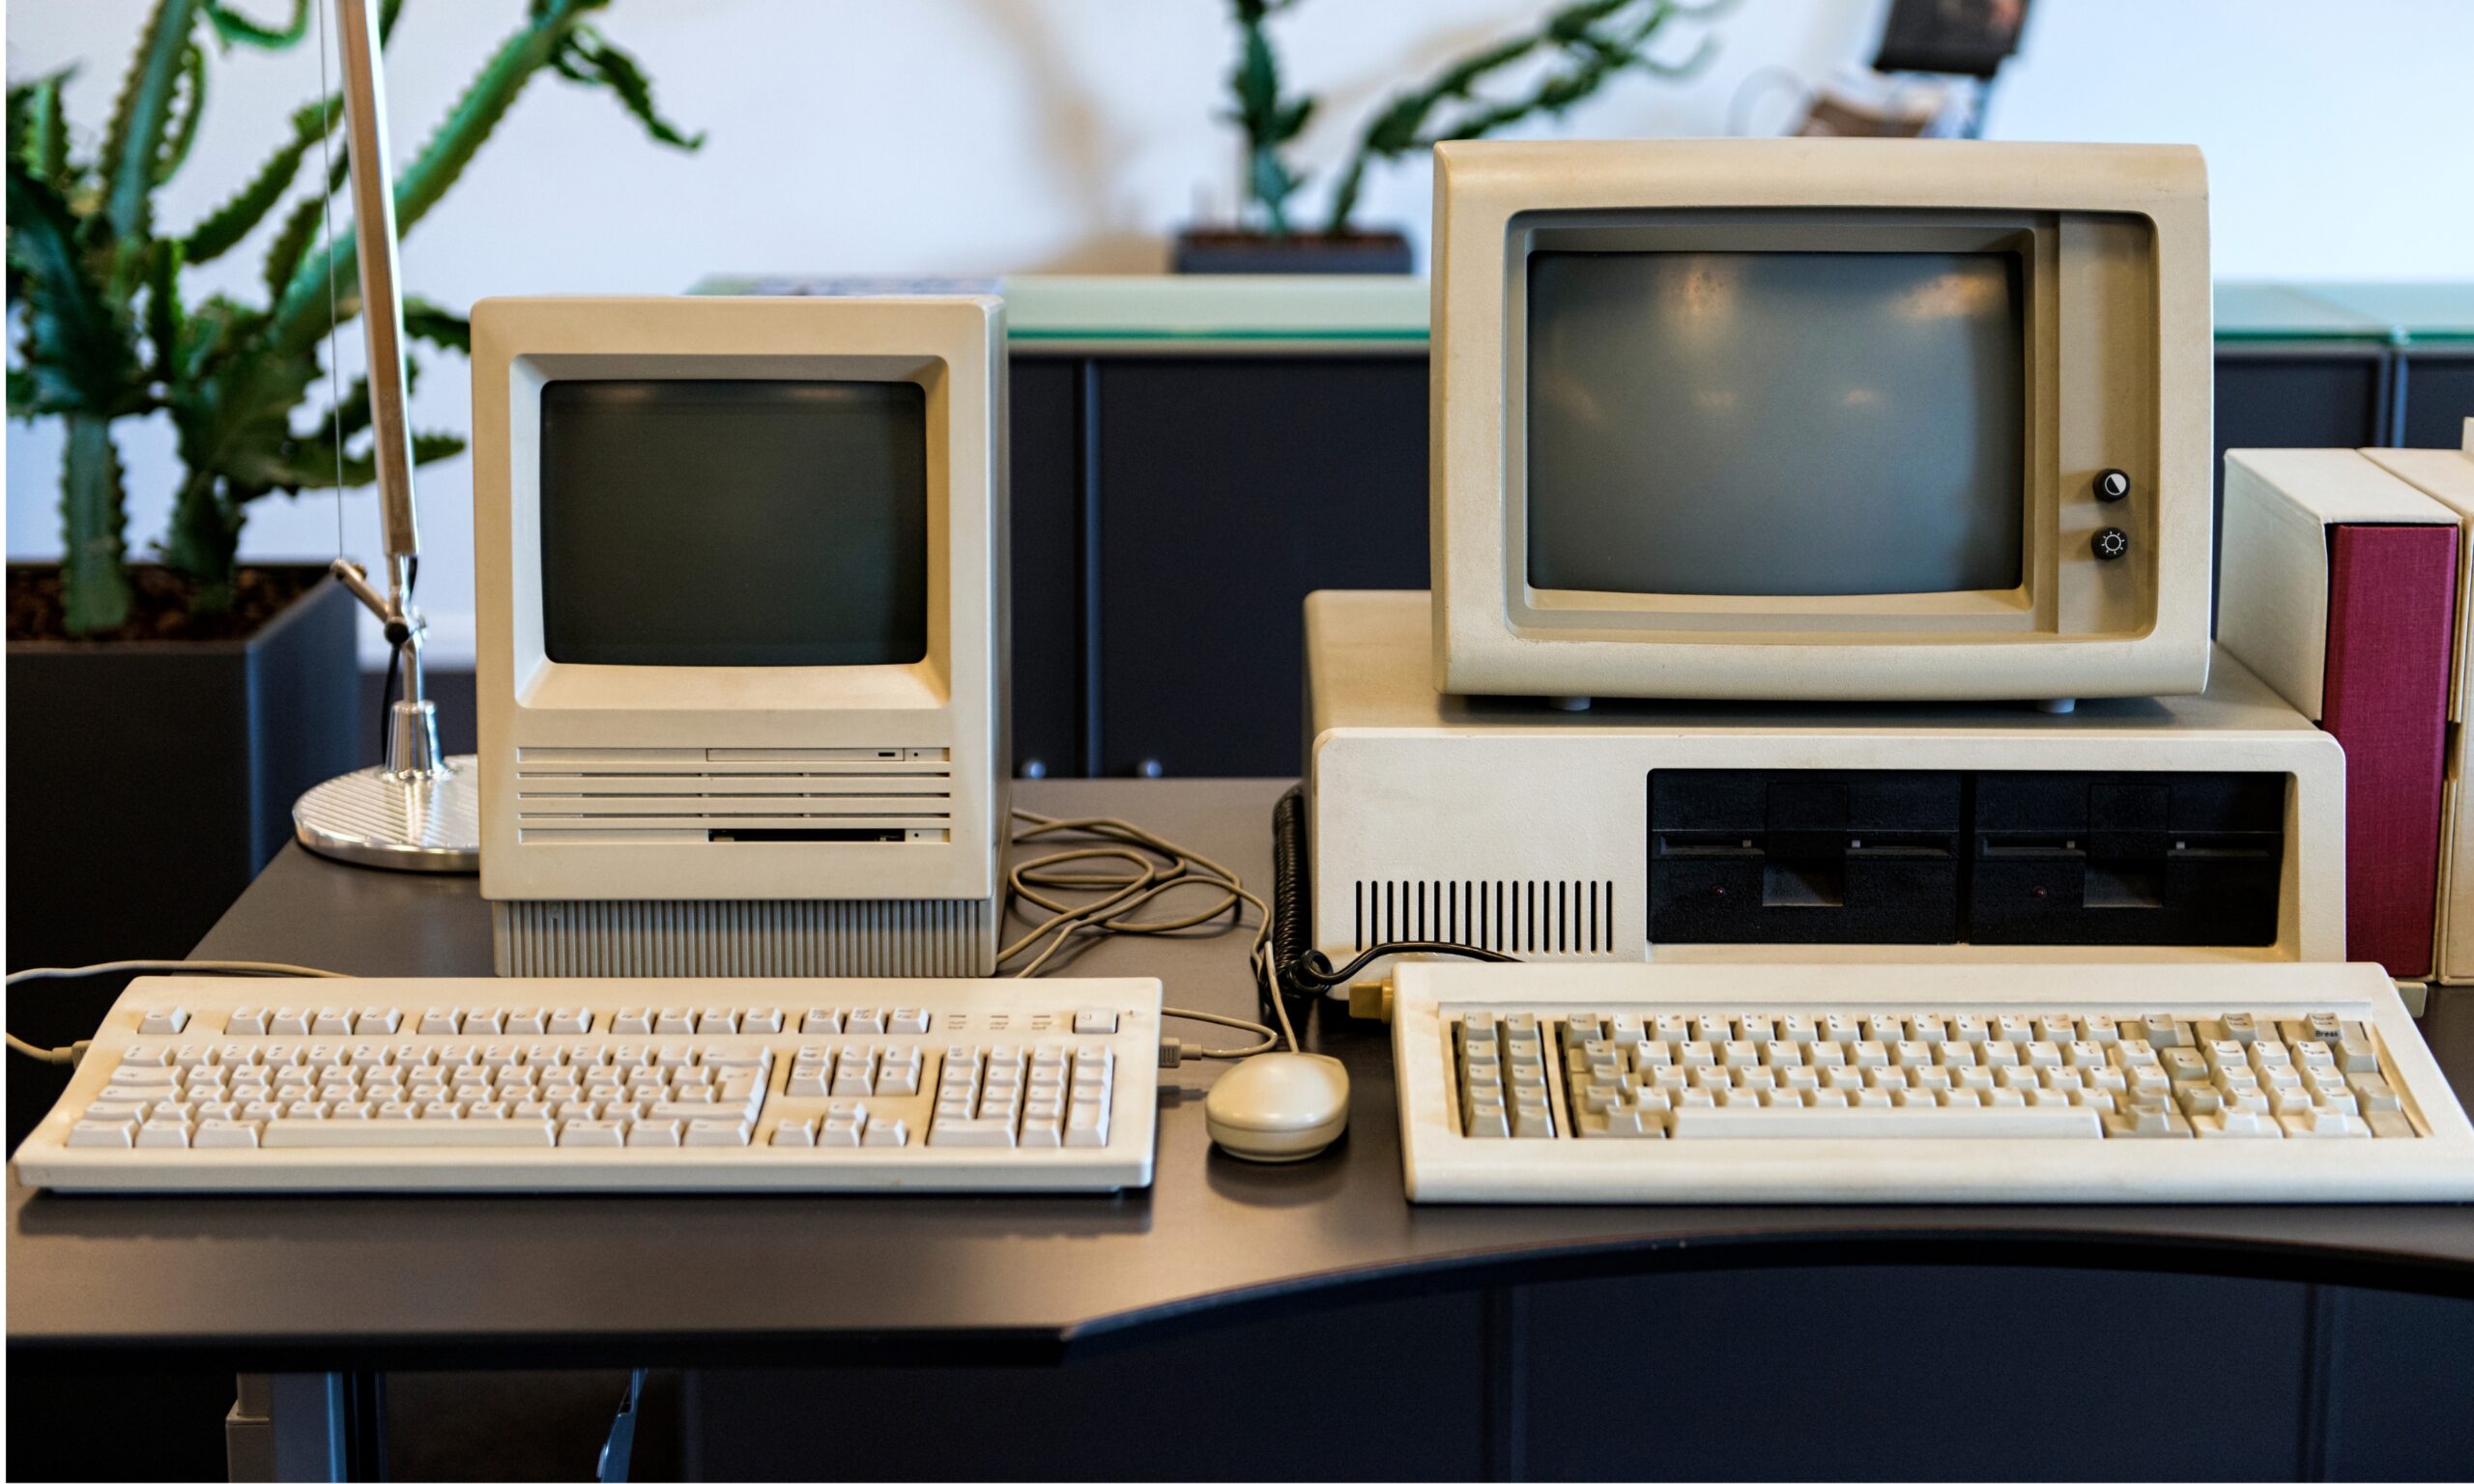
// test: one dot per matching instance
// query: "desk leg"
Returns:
(308, 1425)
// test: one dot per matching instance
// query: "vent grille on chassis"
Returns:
(1507, 917)
(736, 939)
(688, 793)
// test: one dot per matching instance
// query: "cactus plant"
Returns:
(1269, 120)
(105, 333)
(1591, 42)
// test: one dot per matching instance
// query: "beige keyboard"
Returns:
(257, 1084)
(1948, 1082)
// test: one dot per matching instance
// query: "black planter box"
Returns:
(148, 783)
(1219, 250)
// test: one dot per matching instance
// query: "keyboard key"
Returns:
(655, 1134)
(1871, 1123)
(710, 1132)
(396, 1133)
(224, 1133)
(101, 1133)
(165, 1020)
(972, 1132)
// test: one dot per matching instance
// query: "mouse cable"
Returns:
(1149, 868)
(67, 1056)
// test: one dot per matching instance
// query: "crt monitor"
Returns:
(741, 664)
(1821, 419)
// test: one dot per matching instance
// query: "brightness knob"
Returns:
(2112, 543)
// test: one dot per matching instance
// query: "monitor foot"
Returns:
(1568, 703)
(2060, 706)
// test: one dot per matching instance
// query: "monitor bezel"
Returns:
(2131, 238)
(548, 683)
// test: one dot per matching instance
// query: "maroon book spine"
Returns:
(2392, 616)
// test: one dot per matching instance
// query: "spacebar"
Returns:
(410, 1134)
(1886, 1124)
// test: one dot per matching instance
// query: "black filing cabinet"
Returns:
(2436, 390)
(1229, 488)
(1049, 690)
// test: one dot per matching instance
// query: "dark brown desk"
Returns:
(1233, 1312)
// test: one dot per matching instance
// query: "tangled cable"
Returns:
(1156, 868)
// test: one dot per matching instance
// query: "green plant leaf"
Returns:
(38, 129)
(93, 522)
(236, 218)
(440, 328)
(430, 448)
(133, 145)
(188, 105)
(77, 345)
(231, 27)
(165, 325)
(291, 242)
(595, 61)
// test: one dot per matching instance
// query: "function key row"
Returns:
(317, 1054)
(2159, 1031)
(570, 1020)
(382, 1021)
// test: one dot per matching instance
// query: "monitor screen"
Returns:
(699, 523)
(1775, 424)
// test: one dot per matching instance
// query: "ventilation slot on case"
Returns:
(1568, 918)
(737, 939)
(697, 795)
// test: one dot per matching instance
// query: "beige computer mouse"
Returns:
(1278, 1106)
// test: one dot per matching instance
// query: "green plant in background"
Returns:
(1590, 42)
(104, 331)
(1270, 121)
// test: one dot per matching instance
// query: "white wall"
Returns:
(1070, 135)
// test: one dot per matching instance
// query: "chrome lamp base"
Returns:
(400, 822)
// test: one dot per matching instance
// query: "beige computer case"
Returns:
(600, 886)
(2119, 375)
(1418, 801)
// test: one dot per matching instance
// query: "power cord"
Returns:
(1158, 867)
(69, 1055)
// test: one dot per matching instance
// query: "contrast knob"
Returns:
(2112, 543)
(2113, 484)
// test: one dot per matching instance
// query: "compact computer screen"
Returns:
(741, 670)
(1821, 419)
(735, 523)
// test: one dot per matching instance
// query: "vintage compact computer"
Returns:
(742, 603)
(1790, 469)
